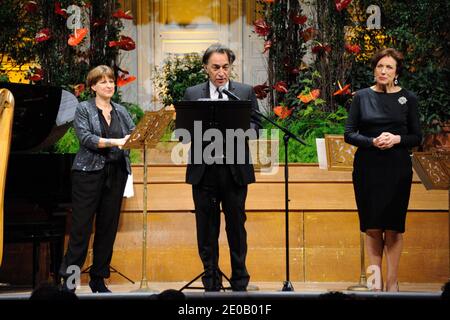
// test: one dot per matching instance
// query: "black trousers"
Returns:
(218, 187)
(99, 194)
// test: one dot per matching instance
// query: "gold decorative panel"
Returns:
(339, 153)
(433, 169)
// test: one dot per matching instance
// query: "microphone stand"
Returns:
(287, 285)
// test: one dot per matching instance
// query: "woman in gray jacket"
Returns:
(99, 174)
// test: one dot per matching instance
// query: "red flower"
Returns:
(306, 98)
(125, 43)
(42, 35)
(30, 7)
(77, 36)
(98, 22)
(320, 48)
(293, 70)
(342, 4)
(122, 15)
(60, 11)
(269, 1)
(308, 34)
(299, 19)
(79, 89)
(281, 86)
(261, 90)
(261, 27)
(124, 79)
(352, 48)
(37, 74)
(342, 90)
(282, 112)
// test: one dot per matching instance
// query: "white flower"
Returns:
(402, 100)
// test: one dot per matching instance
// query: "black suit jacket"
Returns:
(243, 174)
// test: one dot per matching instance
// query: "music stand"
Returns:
(433, 169)
(112, 270)
(146, 135)
(212, 114)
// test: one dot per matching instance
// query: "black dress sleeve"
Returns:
(351, 134)
(414, 136)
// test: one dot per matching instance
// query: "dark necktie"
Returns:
(220, 93)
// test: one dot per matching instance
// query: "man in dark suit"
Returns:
(225, 184)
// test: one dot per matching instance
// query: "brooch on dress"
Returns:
(402, 100)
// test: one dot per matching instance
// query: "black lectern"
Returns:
(217, 114)
(199, 116)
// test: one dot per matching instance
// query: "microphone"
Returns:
(231, 95)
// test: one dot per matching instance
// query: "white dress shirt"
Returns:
(214, 94)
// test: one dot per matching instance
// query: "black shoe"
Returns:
(212, 281)
(98, 285)
(238, 288)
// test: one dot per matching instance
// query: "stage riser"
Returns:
(324, 246)
(310, 188)
(324, 231)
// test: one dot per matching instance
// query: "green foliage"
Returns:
(134, 110)
(177, 74)
(305, 82)
(422, 32)
(309, 123)
(434, 100)
(135, 156)
(68, 143)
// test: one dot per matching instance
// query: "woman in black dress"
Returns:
(383, 123)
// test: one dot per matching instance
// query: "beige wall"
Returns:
(162, 27)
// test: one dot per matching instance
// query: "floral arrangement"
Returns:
(289, 35)
(58, 42)
(62, 40)
(178, 73)
(309, 99)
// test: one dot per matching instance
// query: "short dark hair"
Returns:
(219, 48)
(97, 74)
(389, 52)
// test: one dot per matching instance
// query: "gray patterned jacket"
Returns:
(88, 130)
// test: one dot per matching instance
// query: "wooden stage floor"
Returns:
(262, 287)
